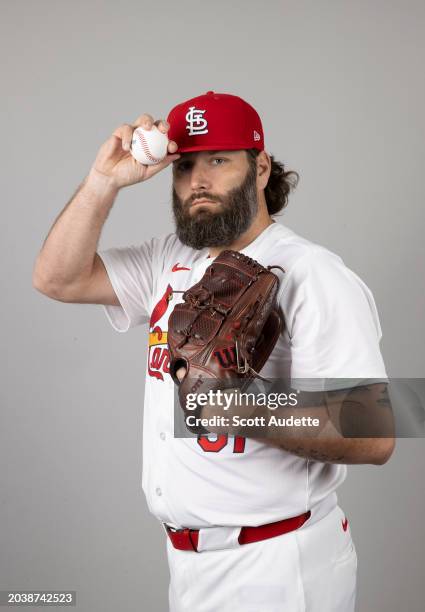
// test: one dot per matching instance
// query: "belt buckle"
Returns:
(218, 538)
(182, 538)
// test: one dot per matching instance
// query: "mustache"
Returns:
(201, 196)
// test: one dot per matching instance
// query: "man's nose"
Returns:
(200, 178)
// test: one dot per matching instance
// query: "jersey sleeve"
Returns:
(130, 270)
(332, 322)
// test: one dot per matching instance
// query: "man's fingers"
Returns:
(181, 373)
(145, 121)
(125, 133)
(162, 125)
(172, 146)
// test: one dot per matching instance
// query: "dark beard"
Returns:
(205, 228)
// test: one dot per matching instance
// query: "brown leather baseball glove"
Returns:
(226, 327)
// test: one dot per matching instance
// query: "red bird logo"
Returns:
(159, 311)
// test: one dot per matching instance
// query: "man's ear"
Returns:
(264, 167)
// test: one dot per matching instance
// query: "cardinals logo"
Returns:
(158, 357)
(196, 122)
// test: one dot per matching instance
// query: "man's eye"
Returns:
(218, 159)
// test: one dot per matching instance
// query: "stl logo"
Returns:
(196, 123)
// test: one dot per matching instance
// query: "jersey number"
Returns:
(215, 446)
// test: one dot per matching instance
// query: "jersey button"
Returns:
(162, 435)
(158, 491)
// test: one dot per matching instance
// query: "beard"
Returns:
(235, 212)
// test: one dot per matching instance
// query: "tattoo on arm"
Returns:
(317, 455)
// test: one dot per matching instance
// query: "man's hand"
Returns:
(114, 163)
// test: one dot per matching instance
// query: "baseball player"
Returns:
(249, 524)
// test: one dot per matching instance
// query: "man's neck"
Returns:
(257, 226)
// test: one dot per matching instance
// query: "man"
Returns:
(252, 524)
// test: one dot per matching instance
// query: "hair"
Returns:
(280, 184)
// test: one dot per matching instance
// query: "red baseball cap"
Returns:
(215, 122)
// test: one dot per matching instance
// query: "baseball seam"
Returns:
(145, 148)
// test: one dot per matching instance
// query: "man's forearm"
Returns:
(352, 426)
(350, 420)
(68, 252)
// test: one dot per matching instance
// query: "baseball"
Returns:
(149, 147)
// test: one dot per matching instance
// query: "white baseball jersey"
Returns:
(332, 331)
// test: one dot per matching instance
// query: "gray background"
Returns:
(340, 89)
